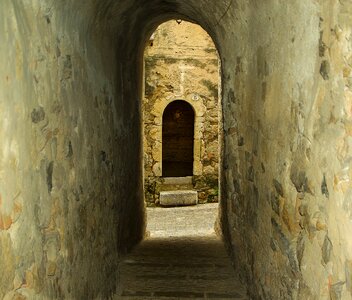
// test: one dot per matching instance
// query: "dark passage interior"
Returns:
(177, 139)
(71, 157)
(180, 268)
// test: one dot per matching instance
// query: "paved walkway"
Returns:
(169, 265)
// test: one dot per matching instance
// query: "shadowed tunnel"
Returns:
(71, 169)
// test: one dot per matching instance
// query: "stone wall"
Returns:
(61, 173)
(70, 156)
(181, 63)
(288, 152)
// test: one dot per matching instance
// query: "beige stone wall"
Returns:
(60, 184)
(287, 160)
(181, 63)
(285, 202)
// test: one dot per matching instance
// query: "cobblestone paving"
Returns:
(167, 265)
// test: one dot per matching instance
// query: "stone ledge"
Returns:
(178, 198)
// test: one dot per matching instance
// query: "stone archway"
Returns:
(191, 75)
(178, 139)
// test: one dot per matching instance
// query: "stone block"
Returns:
(178, 198)
(178, 180)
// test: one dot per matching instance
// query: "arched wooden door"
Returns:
(177, 139)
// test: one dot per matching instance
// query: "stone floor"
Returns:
(182, 258)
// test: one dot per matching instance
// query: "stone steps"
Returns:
(178, 180)
(179, 268)
(178, 191)
(176, 187)
(178, 198)
(177, 183)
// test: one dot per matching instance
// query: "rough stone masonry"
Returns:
(181, 63)
(71, 179)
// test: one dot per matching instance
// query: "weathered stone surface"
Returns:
(181, 63)
(348, 274)
(7, 263)
(38, 114)
(325, 69)
(207, 187)
(177, 180)
(326, 249)
(300, 143)
(177, 198)
(300, 180)
(336, 290)
(278, 187)
(286, 103)
(49, 176)
(324, 188)
(58, 110)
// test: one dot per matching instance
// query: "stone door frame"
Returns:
(199, 111)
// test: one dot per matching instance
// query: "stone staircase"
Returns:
(178, 191)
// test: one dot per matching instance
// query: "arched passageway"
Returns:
(71, 160)
(177, 139)
(181, 62)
